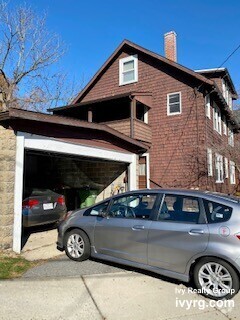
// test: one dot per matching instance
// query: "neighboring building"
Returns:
(185, 116)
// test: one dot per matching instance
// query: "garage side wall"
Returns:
(7, 178)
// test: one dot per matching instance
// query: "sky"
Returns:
(208, 31)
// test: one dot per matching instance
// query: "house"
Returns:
(142, 121)
(184, 116)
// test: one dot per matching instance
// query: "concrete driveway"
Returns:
(64, 289)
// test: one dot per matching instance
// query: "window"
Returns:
(208, 106)
(219, 168)
(128, 70)
(174, 105)
(98, 209)
(232, 173)
(224, 126)
(217, 212)
(226, 167)
(230, 137)
(179, 208)
(217, 119)
(226, 93)
(137, 206)
(209, 162)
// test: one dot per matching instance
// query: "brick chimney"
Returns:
(170, 45)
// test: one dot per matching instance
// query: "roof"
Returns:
(129, 44)
(15, 114)
(138, 95)
(219, 71)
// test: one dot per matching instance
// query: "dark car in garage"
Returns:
(42, 206)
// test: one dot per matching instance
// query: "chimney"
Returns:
(170, 45)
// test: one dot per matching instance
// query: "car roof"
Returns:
(196, 193)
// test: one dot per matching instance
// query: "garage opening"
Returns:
(75, 181)
(82, 180)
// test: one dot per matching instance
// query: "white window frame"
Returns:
(230, 137)
(209, 162)
(224, 126)
(226, 168)
(208, 106)
(133, 58)
(180, 104)
(219, 168)
(217, 125)
(232, 172)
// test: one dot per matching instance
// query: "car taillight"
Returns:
(61, 200)
(30, 203)
(238, 236)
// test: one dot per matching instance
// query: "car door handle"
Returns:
(195, 232)
(137, 227)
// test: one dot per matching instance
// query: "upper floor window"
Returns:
(219, 168)
(224, 126)
(226, 93)
(174, 104)
(128, 70)
(217, 119)
(232, 172)
(208, 106)
(230, 137)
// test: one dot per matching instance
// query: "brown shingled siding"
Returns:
(179, 142)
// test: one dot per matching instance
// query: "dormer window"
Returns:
(128, 70)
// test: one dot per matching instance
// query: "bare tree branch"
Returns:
(29, 54)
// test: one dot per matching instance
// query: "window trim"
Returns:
(226, 168)
(219, 169)
(208, 106)
(133, 58)
(232, 174)
(230, 137)
(180, 104)
(209, 162)
(217, 119)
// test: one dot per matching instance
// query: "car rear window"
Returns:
(217, 212)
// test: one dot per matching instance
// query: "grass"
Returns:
(13, 267)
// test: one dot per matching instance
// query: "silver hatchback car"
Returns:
(183, 234)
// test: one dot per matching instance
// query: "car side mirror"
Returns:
(102, 213)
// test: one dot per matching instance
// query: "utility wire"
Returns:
(231, 54)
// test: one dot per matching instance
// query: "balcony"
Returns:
(134, 128)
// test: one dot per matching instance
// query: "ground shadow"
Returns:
(26, 232)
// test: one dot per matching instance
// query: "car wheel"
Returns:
(216, 279)
(77, 245)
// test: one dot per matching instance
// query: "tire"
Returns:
(77, 245)
(216, 279)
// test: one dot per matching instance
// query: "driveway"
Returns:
(63, 289)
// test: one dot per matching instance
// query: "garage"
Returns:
(83, 161)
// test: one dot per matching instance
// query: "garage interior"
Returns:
(82, 180)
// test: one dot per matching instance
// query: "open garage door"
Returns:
(81, 180)
(82, 174)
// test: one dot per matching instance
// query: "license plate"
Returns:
(47, 206)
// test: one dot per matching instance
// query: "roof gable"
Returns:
(152, 55)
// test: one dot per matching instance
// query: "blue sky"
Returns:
(207, 31)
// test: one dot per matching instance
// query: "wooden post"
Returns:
(133, 117)
(90, 115)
